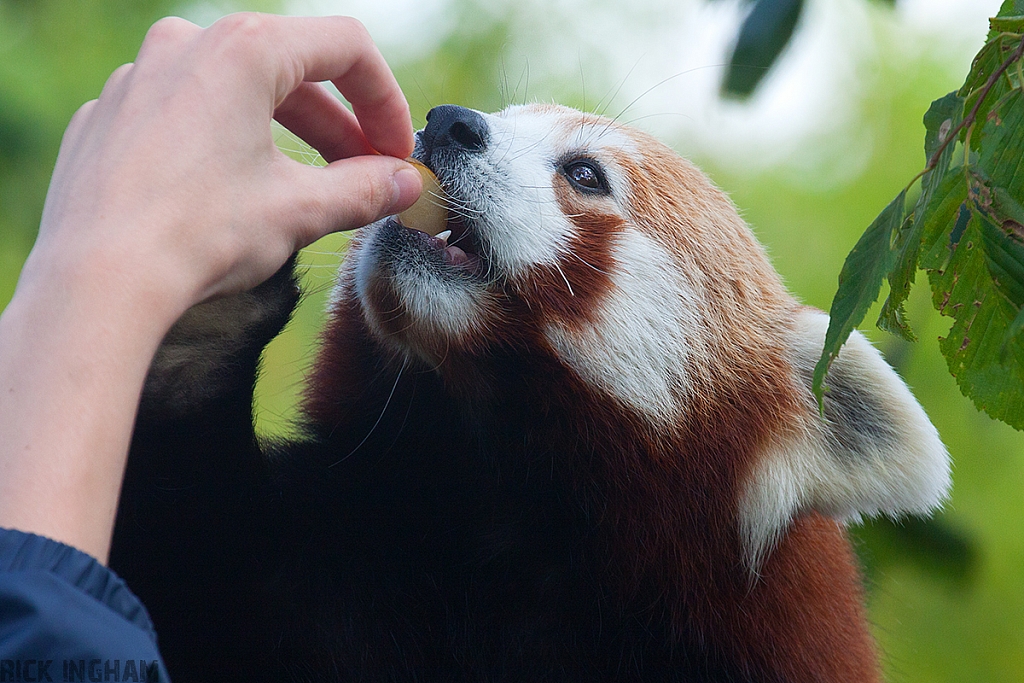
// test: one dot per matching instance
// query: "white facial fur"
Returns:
(517, 211)
(520, 215)
(641, 341)
(442, 309)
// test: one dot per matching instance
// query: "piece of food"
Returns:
(430, 212)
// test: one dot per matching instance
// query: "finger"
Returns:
(78, 121)
(396, 141)
(324, 123)
(116, 79)
(347, 194)
(115, 86)
(169, 34)
(329, 48)
(71, 143)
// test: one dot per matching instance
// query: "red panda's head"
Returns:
(581, 239)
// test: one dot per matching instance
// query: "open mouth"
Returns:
(459, 248)
(444, 230)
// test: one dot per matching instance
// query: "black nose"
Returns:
(453, 126)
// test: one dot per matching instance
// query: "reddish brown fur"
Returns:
(586, 267)
(805, 611)
(666, 506)
(664, 501)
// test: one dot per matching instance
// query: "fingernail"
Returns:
(408, 186)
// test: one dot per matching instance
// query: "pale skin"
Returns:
(168, 190)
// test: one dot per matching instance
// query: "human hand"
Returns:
(171, 181)
(169, 190)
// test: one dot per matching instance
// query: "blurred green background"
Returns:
(810, 160)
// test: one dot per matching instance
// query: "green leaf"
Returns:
(1001, 146)
(892, 318)
(1012, 335)
(1006, 24)
(941, 119)
(1004, 257)
(1010, 8)
(966, 230)
(859, 283)
(944, 220)
(986, 63)
(763, 35)
(987, 371)
(1009, 13)
(1008, 211)
(1004, 247)
(976, 269)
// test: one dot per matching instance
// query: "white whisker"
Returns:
(584, 262)
(559, 269)
(380, 417)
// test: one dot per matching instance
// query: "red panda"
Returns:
(571, 440)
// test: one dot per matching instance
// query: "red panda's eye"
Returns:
(585, 176)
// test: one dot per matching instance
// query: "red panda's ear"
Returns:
(874, 451)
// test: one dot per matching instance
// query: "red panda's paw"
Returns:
(212, 351)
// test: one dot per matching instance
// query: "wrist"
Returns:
(117, 285)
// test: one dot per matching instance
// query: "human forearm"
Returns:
(74, 351)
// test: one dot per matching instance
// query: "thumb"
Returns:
(350, 193)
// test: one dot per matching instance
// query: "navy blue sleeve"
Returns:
(66, 617)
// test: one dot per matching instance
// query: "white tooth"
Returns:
(443, 236)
